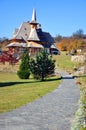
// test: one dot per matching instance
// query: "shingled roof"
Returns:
(34, 45)
(22, 32)
(32, 31)
(17, 44)
(33, 35)
(45, 36)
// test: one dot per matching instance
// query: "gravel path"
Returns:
(54, 111)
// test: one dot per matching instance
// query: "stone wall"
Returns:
(78, 58)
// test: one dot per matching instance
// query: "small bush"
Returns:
(23, 74)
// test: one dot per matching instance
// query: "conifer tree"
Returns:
(42, 66)
(24, 68)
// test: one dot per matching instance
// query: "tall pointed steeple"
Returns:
(34, 15)
(33, 20)
(33, 32)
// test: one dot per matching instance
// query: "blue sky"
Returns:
(59, 17)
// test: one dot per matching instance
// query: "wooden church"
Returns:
(30, 35)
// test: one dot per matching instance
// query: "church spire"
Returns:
(33, 20)
(34, 15)
(33, 32)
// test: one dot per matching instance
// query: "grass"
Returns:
(15, 92)
(82, 79)
(64, 62)
(83, 129)
(81, 112)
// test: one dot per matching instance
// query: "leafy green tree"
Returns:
(24, 68)
(42, 66)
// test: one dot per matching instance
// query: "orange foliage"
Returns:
(67, 44)
(63, 45)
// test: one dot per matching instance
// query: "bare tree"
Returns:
(78, 34)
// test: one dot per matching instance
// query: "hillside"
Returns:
(71, 44)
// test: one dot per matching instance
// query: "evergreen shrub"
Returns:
(24, 68)
(42, 66)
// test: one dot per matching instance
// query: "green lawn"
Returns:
(15, 92)
(64, 62)
(82, 79)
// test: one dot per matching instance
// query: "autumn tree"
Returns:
(68, 44)
(4, 42)
(63, 45)
(75, 44)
